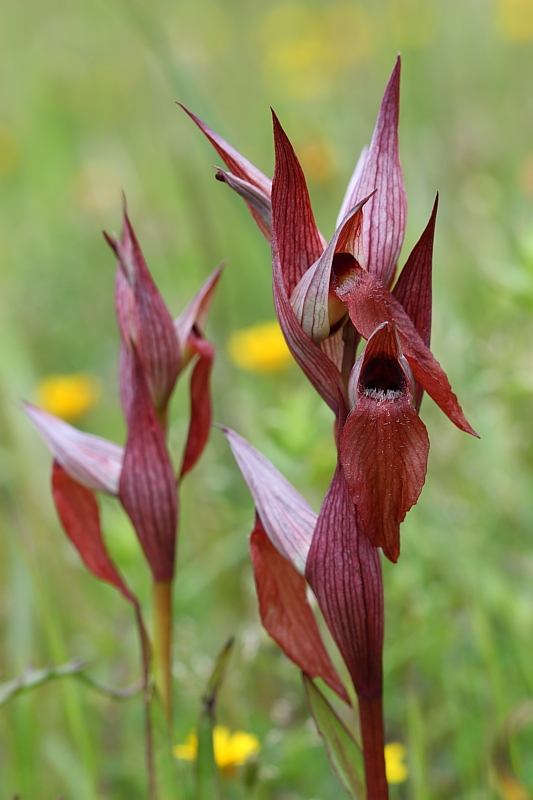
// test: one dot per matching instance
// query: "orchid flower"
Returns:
(154, 351)
(329, 295)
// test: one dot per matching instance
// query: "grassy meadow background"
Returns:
(87, 109)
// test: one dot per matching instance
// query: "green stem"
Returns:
(162, 611)
(147, 694)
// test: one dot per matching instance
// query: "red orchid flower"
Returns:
(155, 349)
(327, 297)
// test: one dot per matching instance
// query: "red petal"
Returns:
(413, 287)
(369, 305)
(200, 414)
(147, 487)
(90, 460)
(195, 315)
(288, 519)
(385, 214)
(238, 165)
(144, 319)
(384, 450)
(285, 612)
(78, 511)
(344, 572)
(298, 241)
(384, 444)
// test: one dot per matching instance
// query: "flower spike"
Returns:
(144, 321)
(384, 444)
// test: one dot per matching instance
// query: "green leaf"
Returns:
(207, 773)
(343, 751)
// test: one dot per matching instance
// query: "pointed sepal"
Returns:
(413, 287)
(287, 518)
(386, 213)
(93, 462)
(240, 167)
(298, 241)
(200, 411)
(144, 320)
(286, 613)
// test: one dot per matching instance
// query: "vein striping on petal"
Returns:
(287, 518)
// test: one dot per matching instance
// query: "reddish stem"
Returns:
(371, 716)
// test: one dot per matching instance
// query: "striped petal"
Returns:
(91, 461)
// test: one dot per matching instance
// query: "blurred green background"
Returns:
(86, 111)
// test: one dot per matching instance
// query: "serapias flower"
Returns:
(68, 396)
(259, 348)
(155, 349)
(231, 750)
(327, 296)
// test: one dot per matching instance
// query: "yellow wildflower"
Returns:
(395, 766)
(68, 396)
(260, 348)
(514, 20)
(231, 749)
